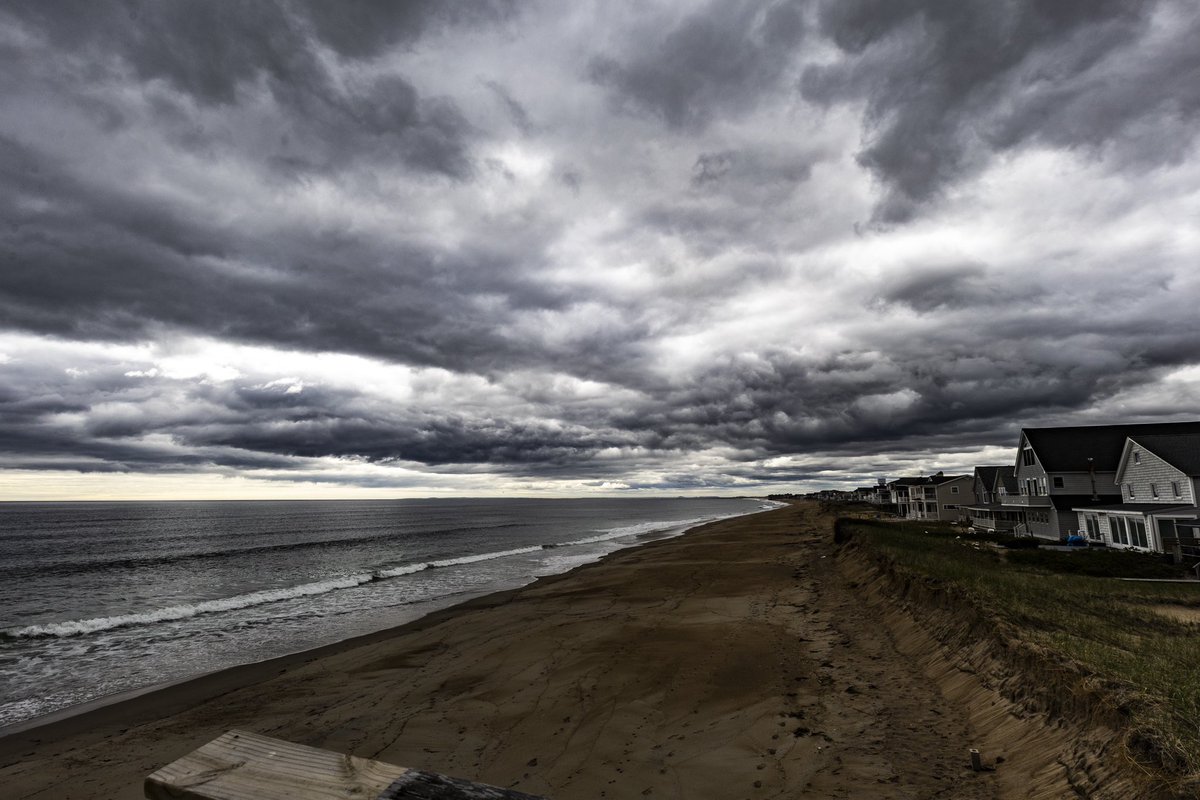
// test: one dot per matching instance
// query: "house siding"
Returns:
(1153, 470)
(1081, 483)
(947, 497)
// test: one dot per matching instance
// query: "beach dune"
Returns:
(736, 661)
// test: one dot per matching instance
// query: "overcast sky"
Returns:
(337, 249)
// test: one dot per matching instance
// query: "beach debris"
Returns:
(976, 760)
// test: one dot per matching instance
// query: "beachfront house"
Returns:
(940, 497)
(899, 496)
(1062, 470)
(1158, 477)
(992, 484)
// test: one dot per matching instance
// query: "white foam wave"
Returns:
(184, 611)
(76, 627)
(454, 562)
(187, 610)
(640, 529)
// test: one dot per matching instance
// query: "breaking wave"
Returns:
(173, 613)
(183, 611)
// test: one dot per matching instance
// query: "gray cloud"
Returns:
(946, 84)
(717, 60)
(589, 244)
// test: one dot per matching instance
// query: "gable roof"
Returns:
(906, 481)
(988, 475)
(1181, 450)
(1068, 449)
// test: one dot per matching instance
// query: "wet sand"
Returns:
(737, 661)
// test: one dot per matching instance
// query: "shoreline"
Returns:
(132, 706)
(737, 660)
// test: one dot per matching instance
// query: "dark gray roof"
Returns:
(1068, 449)
(1142, 508)
(1066, 502)
(907, 481)
(936, 479)
(1180, 450)
(989, 474)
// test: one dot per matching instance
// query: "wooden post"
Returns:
(976, 760)
(239, 765)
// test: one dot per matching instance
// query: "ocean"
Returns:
(98, 599)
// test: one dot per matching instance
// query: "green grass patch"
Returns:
(1145, 636)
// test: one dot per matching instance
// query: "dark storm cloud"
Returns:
(222, 55)
(954, 287)
(91, 262)
(719, 59)
(676, 295)
(948, 82)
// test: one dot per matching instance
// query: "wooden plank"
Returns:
(239, 765)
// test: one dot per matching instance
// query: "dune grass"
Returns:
(1135, 634)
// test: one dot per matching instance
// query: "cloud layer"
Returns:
(488, 246)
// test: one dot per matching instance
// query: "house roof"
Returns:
(1069, 502)
(1068, 449)
(906, 481)
(1142, 508)
(1180, 450)
(990, 473)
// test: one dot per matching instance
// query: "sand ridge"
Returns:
(737, 661)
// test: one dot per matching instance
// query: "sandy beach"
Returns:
(741, 660)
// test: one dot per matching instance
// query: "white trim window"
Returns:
(1175, 489)
(1129, 531)
(1092, 523)
(1154, 490)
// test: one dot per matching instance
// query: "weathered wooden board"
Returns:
(239, 765)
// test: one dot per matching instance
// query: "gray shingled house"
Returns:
(1158, 477)
(1060, 471)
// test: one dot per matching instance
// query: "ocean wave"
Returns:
(142, 562)
(639, 529)
(184, 611)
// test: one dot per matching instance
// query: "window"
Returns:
(1129, 531)
(948, 507)
(1175, 489)
(1027, 457)
(1093, 527)
(1137, 457)
(1154, 490)
(1129, 491)
(1137, 532)
(1058, 482)
(953, 490)
(1041, 483)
